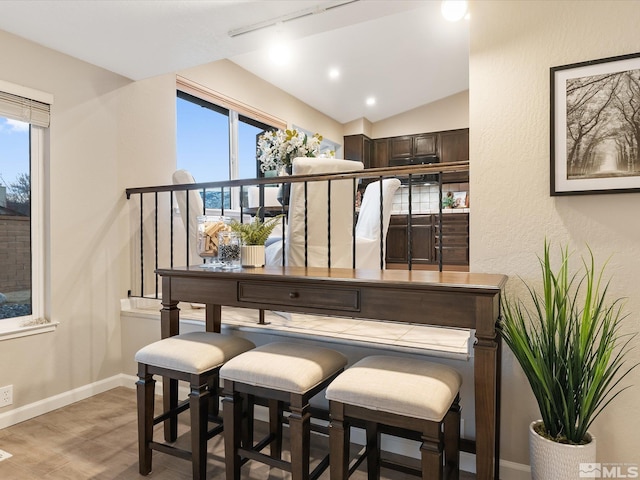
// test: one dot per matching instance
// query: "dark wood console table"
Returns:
(453, 299)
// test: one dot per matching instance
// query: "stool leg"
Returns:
(232, 418)
(373, 451)
(300, 431)
(199, 407)
(452, 441)
(339, 439)
(431, 455)
(145, 390)
(170, 403)
(214, 396)
(275, 428)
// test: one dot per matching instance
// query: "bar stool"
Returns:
(195, 358)
(403, 396)
(282, 373)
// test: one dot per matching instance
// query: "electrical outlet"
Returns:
(6, 395)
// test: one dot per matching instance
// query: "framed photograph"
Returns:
(595, 126)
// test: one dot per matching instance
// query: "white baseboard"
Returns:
(49, 404)
(508, 470)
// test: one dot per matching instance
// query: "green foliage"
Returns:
(569, 346)
(257, 231)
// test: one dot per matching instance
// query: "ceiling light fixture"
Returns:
(453, 10)
(280, 53)
(288, 17)
(371, 101)
(334, 73)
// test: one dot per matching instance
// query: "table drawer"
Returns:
(317, 297)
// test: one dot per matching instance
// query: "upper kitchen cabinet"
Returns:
(380, 153)
(358, 147)
(454, 147)
(401, 147)
(424, 145)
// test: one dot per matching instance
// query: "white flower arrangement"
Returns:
(277, 149)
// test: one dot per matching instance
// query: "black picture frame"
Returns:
(595, 126)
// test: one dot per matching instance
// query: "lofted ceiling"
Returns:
(403, 53)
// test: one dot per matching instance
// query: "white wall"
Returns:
(84, 242)
(450, 113)
(513, 45)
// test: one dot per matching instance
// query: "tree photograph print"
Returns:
(595, 120)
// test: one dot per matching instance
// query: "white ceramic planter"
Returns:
(557, 461)
(252, 255)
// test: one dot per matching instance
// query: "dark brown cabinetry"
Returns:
(421, 239)
(380, 153)
(358, 147)
(424, 145)
(448, 146)
(455, 239)
(425, 239)
(454, 147)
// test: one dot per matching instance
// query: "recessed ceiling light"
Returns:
(453, 10)
(371, 101)
(334, 73)
(280, 54)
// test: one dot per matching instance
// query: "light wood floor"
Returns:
(96, 439)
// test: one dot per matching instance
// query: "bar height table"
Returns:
(450, 299)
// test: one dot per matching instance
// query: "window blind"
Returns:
(24, 109)
(200, 91)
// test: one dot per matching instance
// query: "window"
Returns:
(217, 138)
(23, 136)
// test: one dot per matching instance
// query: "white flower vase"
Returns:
(252, 255)
(558, 461)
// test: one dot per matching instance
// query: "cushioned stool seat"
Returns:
(195, 358)
(285, 373)
(409, 394)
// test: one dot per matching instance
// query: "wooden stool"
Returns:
(284, 373)
(403, 395)
(195, 358)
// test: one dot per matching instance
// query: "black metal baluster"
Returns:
(306, 224)
(381, 226)
(354, 190)
(171, 228)
(186, 223)
(141, 247)
(409, 236)
(155, 215)
(329, 223)
(440, 221)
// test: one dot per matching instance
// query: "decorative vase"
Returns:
(252, 255)
(559, 461)
(229, 250)
(284, 190)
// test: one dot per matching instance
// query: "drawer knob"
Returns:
(293, 294)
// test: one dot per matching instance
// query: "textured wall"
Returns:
(513, 45)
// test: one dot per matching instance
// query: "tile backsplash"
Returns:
(424, 198)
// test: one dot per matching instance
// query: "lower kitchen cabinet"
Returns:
(425, 239)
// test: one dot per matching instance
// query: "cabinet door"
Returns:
(421, 239)
(401, 147)
(454, 147)
(425, 145)
(397, 239)
(357, 147)
(380, 154)
(455, 239)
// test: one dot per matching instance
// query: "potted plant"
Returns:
(254, 234)
(573, 354)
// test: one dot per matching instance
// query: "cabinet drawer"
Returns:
(347, 299)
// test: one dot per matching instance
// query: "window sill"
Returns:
(11, 328)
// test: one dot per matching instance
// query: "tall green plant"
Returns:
(568, 345)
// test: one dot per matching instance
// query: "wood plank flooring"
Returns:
(96, 438)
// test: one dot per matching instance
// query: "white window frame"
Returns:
(36, 322)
